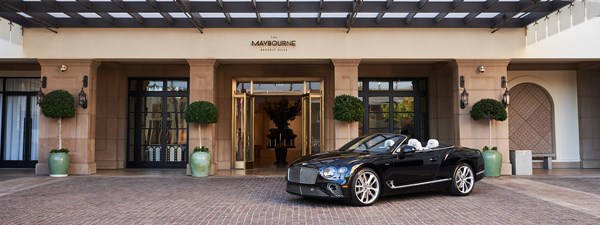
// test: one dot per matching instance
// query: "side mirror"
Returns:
(406, 150)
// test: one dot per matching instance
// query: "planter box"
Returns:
(521, 162)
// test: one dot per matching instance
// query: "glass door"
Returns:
(243, 131)
(311, 124)
(158, 132)
(20, 122)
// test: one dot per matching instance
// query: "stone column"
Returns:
(112, 97)
(475, 134)
(78, 133)
(345, 82)
(588, 96)
(202, 88)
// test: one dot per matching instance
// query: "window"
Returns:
(394, 106)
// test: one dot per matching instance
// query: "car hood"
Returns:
(335, 158)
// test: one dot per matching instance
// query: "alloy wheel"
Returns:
(366, 187)
(464, 179)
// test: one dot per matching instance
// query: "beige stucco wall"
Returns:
(562, 87)
(10, 50)
(312, 43)
(580, 41)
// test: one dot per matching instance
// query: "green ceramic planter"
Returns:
(493, 163)
(58, 164)
(200, 164)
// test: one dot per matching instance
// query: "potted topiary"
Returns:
(490, 109)
(58, 104)
(201, 112)
(349, 109)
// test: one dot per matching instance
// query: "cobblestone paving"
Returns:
(260, 200)
(588, 184)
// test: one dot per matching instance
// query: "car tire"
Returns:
(463, 180)
(365, 187)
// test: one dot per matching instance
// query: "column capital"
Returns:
(203, 62)
(480, 62)
(92, 63)
(345, 62)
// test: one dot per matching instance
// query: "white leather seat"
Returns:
(415, 143)
(388, 143)
(432, 143)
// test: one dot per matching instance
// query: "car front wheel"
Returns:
(365, 187)
(463, 180)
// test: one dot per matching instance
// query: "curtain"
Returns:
(15, 126)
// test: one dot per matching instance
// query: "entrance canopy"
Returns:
(495, 14)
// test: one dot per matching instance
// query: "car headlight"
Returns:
(329, 172)
(342, 170)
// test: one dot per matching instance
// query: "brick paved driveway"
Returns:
(256, 200)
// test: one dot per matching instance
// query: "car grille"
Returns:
(305, 191)
(302, 175)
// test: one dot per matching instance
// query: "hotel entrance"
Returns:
(257, 143)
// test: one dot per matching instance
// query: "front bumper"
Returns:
(306, 181)
(318, 190)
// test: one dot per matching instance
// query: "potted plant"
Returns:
(349, 109)
(200, 162)
(58, 104)
(490, 109)
(201, 112)
(282, 137)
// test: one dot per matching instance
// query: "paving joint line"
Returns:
(21, 184)
(584, 202)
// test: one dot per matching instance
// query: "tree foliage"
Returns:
(402, 110)
(202, 112)
(58, 104)
(348, 108)
(490, 109)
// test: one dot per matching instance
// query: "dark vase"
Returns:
(280, 156)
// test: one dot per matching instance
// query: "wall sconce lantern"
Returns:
(82, 96)
(506, 95)
(464, 96)
(40, 94)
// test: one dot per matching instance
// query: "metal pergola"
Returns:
(494, 14)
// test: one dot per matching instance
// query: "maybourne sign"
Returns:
(273, 45)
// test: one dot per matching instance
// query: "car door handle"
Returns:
(433, 159)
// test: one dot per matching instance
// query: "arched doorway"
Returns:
(531, 120)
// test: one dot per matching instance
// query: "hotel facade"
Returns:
(141, 76)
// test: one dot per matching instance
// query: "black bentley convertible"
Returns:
(385, 164)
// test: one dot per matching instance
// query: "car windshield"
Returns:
(374, 143)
